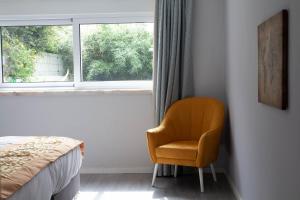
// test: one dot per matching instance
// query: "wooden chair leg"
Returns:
(213, 172)
(175, 171)
(154, 174)
(201, 179)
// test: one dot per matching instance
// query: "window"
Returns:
(114, 52)
(110, 53)
(37, 54)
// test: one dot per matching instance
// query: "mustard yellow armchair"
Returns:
(189, 135)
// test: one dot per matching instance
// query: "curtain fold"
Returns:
(173, 76)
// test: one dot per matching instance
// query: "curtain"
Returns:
(173, 77)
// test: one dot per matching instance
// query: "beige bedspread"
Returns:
(20, 162)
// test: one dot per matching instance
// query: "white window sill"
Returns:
(69, 90)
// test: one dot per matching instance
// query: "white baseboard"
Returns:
(217, 170)
(133, 170)
(233, 186)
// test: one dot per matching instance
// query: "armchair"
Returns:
(189, 135)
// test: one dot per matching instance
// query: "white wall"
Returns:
(48, 7)
(209, 54)
(209, 48)
(265, 142)
(112, 125)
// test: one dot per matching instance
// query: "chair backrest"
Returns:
(191, 117)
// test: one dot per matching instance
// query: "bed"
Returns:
(58, 179)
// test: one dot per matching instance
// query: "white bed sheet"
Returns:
(50, 180)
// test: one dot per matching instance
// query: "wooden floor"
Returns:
(138, 187)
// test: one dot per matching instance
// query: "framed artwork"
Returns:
(273, 61)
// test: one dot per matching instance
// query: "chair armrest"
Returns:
(208, 147)
(157, 137)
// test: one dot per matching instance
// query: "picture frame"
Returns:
(273, 61)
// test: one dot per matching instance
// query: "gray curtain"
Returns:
(173, 77)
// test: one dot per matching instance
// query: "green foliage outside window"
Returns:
(21, 45)
(112, 52)
(118, 52)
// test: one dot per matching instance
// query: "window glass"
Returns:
(114, 52)
(37, 54)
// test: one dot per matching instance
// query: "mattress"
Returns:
(50, 180)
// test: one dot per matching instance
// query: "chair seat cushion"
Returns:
(181, 150)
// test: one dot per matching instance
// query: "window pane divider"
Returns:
(76, 53)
